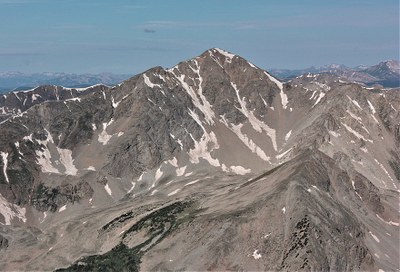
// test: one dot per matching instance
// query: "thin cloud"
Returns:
(148, 30)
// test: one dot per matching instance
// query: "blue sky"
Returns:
(131, 36)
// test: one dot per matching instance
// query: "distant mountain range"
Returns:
(20, 81)
(386, 73)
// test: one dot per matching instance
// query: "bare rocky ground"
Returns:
(210, 165)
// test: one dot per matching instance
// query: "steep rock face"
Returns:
(298, 173)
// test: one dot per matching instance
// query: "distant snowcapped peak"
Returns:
(393, 64)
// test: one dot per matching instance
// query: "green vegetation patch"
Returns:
(158, 225)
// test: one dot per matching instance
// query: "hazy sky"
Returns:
(131, 36)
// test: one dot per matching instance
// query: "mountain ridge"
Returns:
(386, 73)
(16, 81)
(211, 148)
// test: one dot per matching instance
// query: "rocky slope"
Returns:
(212, 164)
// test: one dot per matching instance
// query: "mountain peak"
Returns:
(393, 64)
(222, 52)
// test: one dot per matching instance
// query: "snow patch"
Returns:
(263, 100)
(104, 137)
(322, 85)
(371, 107)
(114, 105)
(133, 187)
(373, 117)
(91, 168)
(192, 182)
(257, 125)
(284, 98)
(158, 174)
(247, 142)
(284, 210)
(277, 82)
(148, 82)
(321, 95)
(354, 102)
(35, 96)
(153, 192)
(10, 211)
(141, 177)
(312, 96)
(240, 170)
(83, 89)
(44, 217)
(287, 136)
(108, 189)
(334, 134)
(386, 172)
(44, 156)
(63, 208)
(173, 162)
(388, 222)
(228, 56)
(280, 156)
(199, 100)
(200, 149)
(74, 99)
(251, 64)
(373, 236)
(4, 156)
(19, 151)
(174, 192)
(256, 255)
(355, 133)
(354, 187)
(354, 116)
(67, 161)
(181, 171)
(28, 138)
